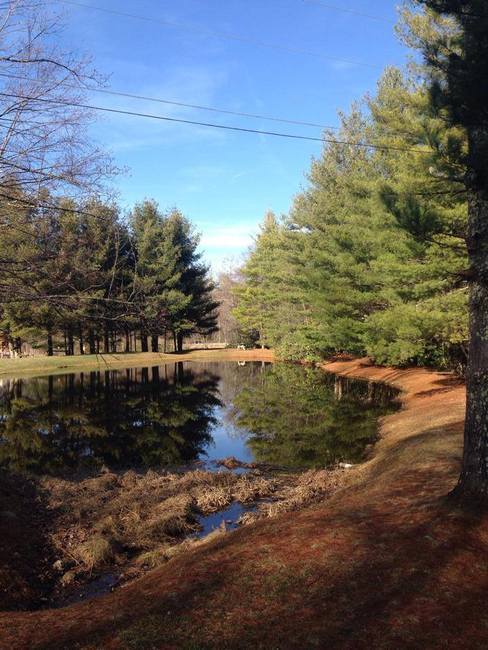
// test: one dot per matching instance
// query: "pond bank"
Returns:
(383, 563)
(36, 366)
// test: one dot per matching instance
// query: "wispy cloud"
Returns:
(343, 65)
(224, 247)
(182, 84)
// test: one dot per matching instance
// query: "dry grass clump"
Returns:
(251, 487)
(130, 522)
(307, 488)
(137, 519)
(171, 518)
(153, 559)
(96, 550)
(214, 498)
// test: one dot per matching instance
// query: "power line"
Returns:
(175, 103)
(352, 12)
(293, 136)
(160, 100)
(222, 35)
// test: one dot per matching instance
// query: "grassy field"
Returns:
(35, 366)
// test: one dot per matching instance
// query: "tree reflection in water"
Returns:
(131, 418)
(155, 417)
(301, 417)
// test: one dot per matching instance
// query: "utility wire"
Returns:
(223, 35)
(176, 103)
(160, 100)
(363, 145)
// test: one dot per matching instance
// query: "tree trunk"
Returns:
(81, 340)
(144, 346)
(473, 482)
(179, 372)
(175, 345)
(127, 341)
(179, 340)
(50, 350)
(91, 342)
(71, 342)
(106, 341)
(154, 344)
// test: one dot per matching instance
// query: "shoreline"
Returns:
(44, 366)
(302, 578)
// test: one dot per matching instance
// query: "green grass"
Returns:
(35, 366)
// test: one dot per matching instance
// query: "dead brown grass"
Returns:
(130, 522)
(135, 520)
(306, 489)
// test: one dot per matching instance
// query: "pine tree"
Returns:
(194, 310)
(457, 65)
(157, 273)
(269, 305)
(425, 319)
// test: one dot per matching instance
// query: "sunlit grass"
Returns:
(31, 366)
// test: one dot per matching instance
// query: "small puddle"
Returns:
(228, 517)
(99, 586)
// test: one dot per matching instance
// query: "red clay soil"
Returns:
(384, 563)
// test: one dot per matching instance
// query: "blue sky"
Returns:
(223, 181)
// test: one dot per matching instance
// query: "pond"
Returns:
(182, 413)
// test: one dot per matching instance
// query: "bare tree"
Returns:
(43, 137)
(46, 155)
(228, 328)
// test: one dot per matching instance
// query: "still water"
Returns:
(177, 414)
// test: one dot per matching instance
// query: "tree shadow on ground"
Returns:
(26, 555)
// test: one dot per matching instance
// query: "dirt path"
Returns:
(385, 563)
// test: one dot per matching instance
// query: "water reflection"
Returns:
(136, 417)
(175, 414)
(302, 417)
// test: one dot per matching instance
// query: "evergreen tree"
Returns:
(158, 273)
(269, 306)
(195, 310)
(425, 320)
(457, 66)
(369, 259)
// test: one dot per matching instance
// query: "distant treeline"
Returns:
(85, 278)
(371, 258)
